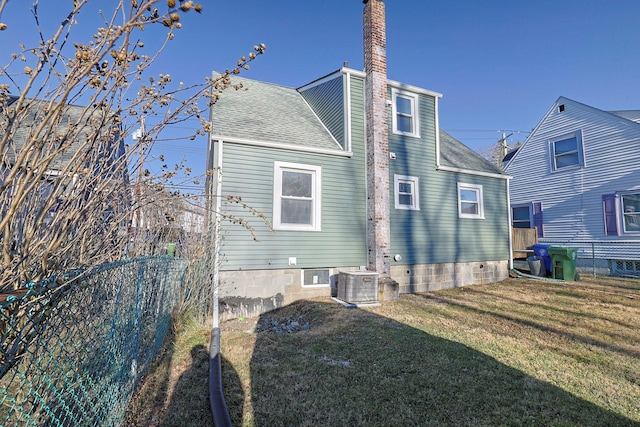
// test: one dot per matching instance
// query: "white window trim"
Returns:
(523, 205)
(478, 189)
(552, 156)
(316, 172)
(397, 179)
(319, 285)
(415, 112)
(622, 226)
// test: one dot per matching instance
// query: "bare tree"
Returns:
(68, 107)
(496, 151)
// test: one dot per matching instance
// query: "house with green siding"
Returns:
(311, 183)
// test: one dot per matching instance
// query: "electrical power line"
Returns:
(488, 130)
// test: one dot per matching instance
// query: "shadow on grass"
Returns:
(189, 404)
(354, 367)
(535, 325)
(145, 408)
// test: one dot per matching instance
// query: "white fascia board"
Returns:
(394, 83)
(282, 146)
(414, 89)
(335, 141)
(473, 172)
(321, 80)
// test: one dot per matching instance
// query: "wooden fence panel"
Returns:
(523, 241)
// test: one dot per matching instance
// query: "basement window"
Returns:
(316, 277)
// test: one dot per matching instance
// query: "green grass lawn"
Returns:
(515, 353)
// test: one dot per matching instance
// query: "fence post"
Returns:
(593, 257)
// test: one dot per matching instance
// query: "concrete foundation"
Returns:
(250, 293)
(433, 277)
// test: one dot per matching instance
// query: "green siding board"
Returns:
(248, 172)
(326, 99)
(432, 235)
(435, 234)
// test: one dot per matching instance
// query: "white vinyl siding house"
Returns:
(579, 167)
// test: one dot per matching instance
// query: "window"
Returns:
(566, 151)
(406, 192)
(405, 113)
(296, 197)
(631, 212)
(522, 216)
(316, 277)
(527, 215)
(621, 213)
(470, 201)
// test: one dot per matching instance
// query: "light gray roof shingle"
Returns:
(633, 115)
(87, 120)
(454, 153)
(265, 112)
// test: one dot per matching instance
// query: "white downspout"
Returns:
(217, 206)
(509, 225)
(437, 123)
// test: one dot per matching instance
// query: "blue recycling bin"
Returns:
(542, 250)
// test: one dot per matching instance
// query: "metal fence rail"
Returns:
(74, 346)
(604, 258)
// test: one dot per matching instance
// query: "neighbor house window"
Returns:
(522, 216)
(621, 213)
(296, 197)
(470, 201)
(631, 212)
(566, 151)
(406, 192)
(527, 215)
(405, 113)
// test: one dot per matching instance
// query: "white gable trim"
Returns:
(472, 172)
(283, 146)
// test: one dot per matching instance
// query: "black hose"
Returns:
(219, 408)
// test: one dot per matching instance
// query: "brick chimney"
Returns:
(375, 67)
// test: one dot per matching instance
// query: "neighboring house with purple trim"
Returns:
(576, 179)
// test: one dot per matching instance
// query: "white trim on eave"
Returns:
(473, 172)
(413, 89)
(394, 83)
(347, 110)
(283, 146)
(321, 122)
(321, 80)
(436, 117)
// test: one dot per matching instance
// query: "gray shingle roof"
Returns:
(265, 112)
(633, 115)
(454, 153)
(84, 118)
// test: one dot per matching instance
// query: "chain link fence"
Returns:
(604, 258)
(73, 347)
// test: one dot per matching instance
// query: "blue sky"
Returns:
(499, 64)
